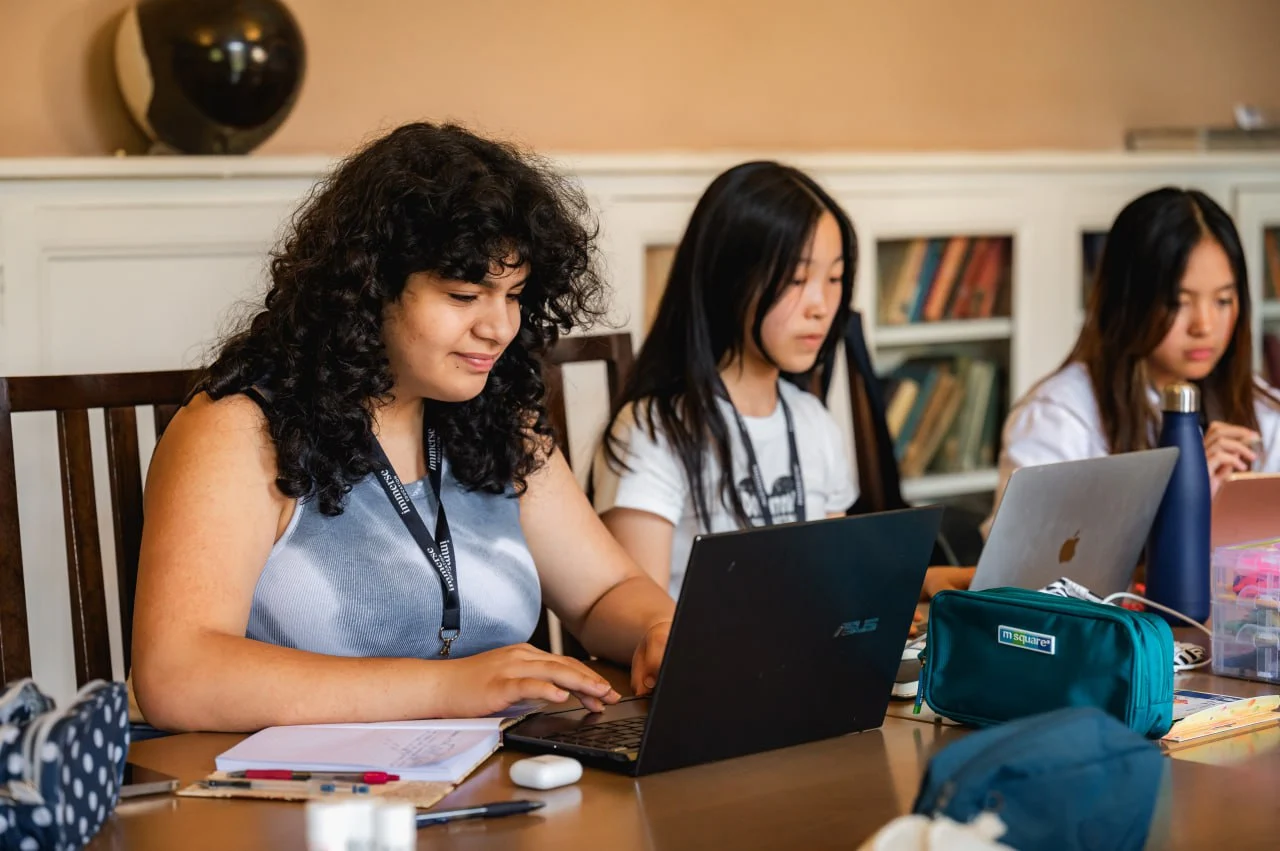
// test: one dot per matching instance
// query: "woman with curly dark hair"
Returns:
(288, 573)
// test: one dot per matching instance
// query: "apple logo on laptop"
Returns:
(1068, 551)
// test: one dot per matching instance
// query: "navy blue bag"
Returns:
(60, 770)
(1067, 780)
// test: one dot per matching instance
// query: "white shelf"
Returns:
(1048, 167)
(943, 485)
(1270, 309)
(950, 331)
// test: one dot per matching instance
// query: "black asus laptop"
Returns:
(782, 635)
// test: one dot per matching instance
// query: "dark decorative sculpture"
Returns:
(209, 76)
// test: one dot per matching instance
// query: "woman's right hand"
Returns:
(490, 682)
(1228, 449)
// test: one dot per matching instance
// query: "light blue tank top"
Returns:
(358, 584)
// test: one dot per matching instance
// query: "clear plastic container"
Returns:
(1246, 610)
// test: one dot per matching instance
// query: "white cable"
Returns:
(1125, 595)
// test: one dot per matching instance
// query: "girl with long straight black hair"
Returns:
(712, 431)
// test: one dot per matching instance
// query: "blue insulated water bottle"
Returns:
(1178, 549)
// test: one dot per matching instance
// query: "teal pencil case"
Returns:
(1006, 653)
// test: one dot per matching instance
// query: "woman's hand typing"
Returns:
(490, 682)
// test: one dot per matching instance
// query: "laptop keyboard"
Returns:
(621, 735)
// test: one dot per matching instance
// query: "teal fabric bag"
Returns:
(1006, 653)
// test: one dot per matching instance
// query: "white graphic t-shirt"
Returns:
(656, 481)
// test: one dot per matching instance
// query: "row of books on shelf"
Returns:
(957, 277)
(944, 414)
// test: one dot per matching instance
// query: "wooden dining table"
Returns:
(833, 794)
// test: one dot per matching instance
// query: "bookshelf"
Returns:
(942, 339)
(948, 331)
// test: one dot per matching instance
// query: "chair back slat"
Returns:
(125, 473)
(72, 397)
(871, 477)
(84, 548)
(164, 413)
(15, 651)
(553, 379)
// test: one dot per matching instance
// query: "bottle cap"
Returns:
(1180, 397)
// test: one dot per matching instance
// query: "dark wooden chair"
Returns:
(879, 482)
(72, 397)
(615, 351)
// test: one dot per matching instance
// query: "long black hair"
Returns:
(744, 240)
(423, 198)
(1134, 304)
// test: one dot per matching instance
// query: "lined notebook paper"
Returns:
(443, 751)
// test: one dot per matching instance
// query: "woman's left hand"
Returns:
(648, 658)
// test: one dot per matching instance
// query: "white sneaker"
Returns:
(907, 682)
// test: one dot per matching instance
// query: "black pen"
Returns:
(501, 808)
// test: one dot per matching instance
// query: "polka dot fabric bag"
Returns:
(60, 769)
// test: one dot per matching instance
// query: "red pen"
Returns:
(370, 777)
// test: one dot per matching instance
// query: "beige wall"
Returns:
(595, 75)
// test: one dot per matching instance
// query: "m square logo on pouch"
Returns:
(1026, 639)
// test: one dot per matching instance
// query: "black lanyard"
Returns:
(757, 478)
(438, 550)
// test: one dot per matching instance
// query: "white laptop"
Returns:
(1085, 520)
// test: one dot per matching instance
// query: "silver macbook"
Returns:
(1085, 520)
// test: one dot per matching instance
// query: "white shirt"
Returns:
(1059, 421)
(656, 481)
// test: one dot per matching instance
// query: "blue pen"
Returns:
(496, 810)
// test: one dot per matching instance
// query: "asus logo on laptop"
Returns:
(856, 627)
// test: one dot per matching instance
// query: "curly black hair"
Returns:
(423, 198)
